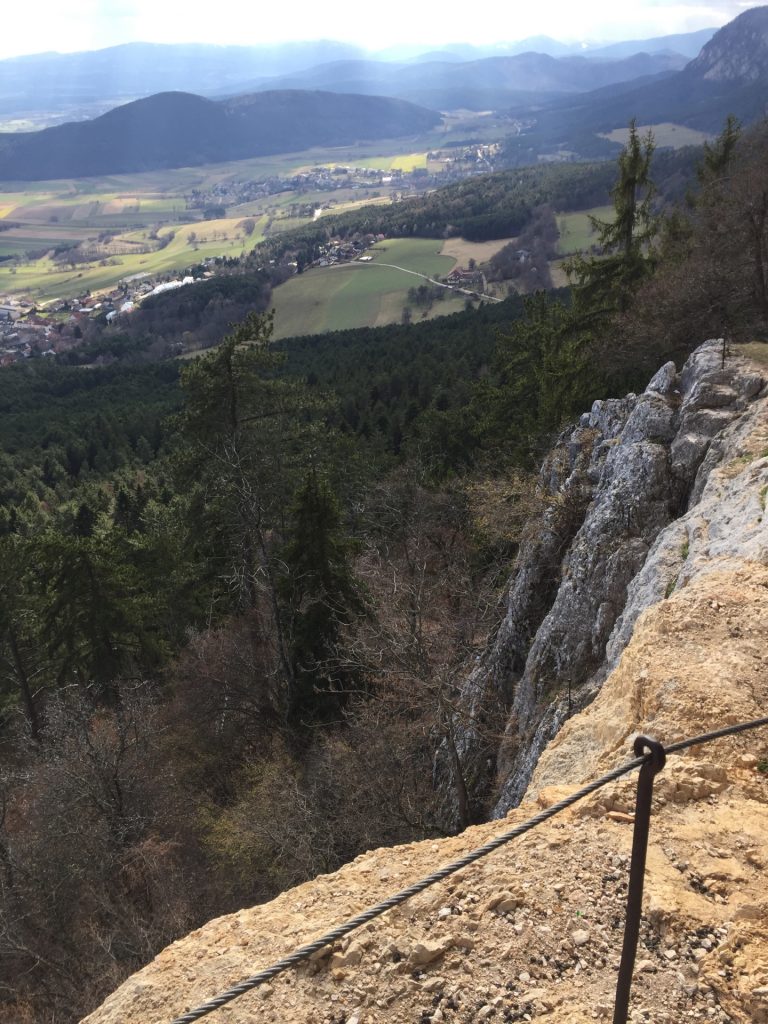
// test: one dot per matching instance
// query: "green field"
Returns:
(47, 280)
(576, 232)
(56, 214)
(360, 294)
(392, 162)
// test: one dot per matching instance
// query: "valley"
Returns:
(106, 241)
(40, 223)
(365, 294)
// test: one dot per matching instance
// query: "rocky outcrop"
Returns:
(613, 483)
(737, 53)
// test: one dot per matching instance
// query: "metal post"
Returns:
(649, 770)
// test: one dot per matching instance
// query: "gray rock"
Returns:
(652, 419)
(665, 381)
(610, 542)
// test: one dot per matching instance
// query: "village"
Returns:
(54, 328)
(442, 167)
(29, 330)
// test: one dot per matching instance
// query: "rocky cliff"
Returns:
(614, 489)
(737, 52)
(652, 600)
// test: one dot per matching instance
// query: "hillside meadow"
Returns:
(576, 231)
(362, 294)
(666, 135)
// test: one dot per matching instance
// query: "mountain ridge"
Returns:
(496, 77)
(176, 129)
(82, 82)
(697, 96)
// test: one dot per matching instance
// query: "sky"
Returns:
(40, 25)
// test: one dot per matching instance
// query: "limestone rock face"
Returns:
(534, 930)
(738, 53)
(613, 487)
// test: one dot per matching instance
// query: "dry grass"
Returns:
(463, 251)
(757, 351)
(558, 275)
(674, 136)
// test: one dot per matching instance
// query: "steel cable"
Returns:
(305, 952)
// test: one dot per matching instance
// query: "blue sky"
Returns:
(40, 25)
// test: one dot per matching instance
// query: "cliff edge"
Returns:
(534, 930)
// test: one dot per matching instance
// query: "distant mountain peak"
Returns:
(738, 52)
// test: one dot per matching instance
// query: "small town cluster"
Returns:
(443, 167)
(28, 331)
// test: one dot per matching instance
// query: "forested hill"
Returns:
(176, 129)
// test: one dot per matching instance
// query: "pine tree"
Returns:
(99, 620)
(246, 436)
(605, 283)
(552, 362)
(320, 598)
(719, 154)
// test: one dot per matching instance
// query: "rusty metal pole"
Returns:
(654, 764)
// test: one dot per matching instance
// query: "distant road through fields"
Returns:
(425, 277)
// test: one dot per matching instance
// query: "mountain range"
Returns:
(729, 76)
(568, 103)
(477, 85)
(82, 84)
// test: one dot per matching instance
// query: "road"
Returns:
(425, 277)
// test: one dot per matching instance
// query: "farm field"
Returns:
(51, 215)
(666, 135)
(48, 280)
(362, 294)
(576, 233)
(60, 214)
(463, 251)
(384, 154)
(398, 162)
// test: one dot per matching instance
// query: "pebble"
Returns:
(646, 967)
(425, 952)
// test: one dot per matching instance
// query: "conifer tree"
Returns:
(605, 283)
(552, 362)
(246, 434)
(321, 596)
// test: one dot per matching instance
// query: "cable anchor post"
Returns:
(656, 758)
